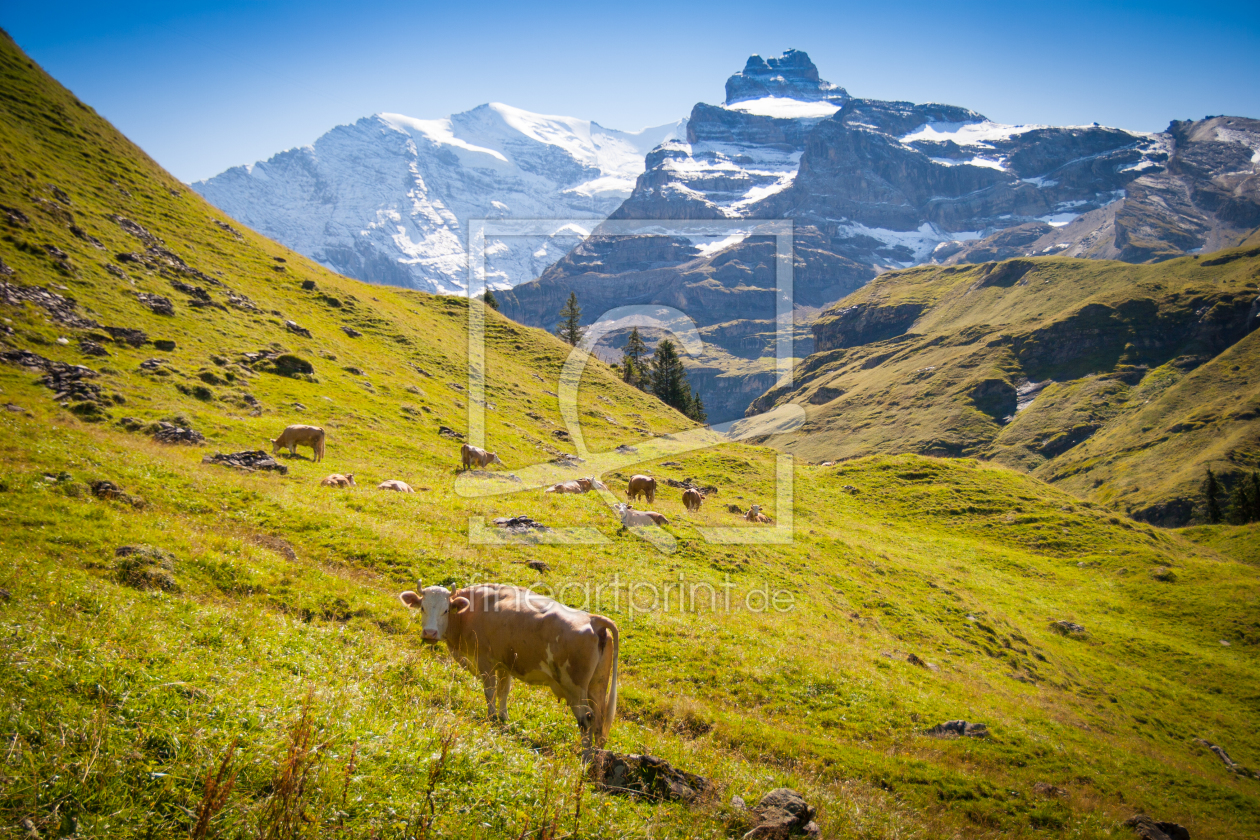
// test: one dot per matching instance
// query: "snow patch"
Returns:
(921, 243)
(781, 107)
(999, 164)
(709, 245)
(967, 133)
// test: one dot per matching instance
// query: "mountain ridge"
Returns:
(1123, 383)
(388, 198)
(877, 185)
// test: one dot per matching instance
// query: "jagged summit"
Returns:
(791, 76)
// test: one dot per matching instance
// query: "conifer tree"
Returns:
(668, 378)
(1255, 497)
(1212, 489)
(632, 359)
(1240, 502)
(697, 411)
(569, 329)
(490, 299)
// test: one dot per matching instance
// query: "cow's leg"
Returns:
(490, 682)
(501, 694)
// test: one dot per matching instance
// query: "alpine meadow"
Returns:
(214, 647)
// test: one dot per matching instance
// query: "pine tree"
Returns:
(668, 377)
(632, 359)
(697, 411)
(1241, 505)
(1212, 489)
(491, 300)
(569, 328)
(1255, 497)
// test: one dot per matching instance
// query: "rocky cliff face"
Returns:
(388, 199)
(791, 75)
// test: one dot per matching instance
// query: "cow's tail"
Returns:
(319, 446)
(610, 701)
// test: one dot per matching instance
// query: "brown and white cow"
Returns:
(471, 456)
(573, 485)
(642, 485)
(338, 480)
(395, 485)
(500, 632)
(631, 518)
(312, 436)
(692, 498)
(755, 515)
(577, 485)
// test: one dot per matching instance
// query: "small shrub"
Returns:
(146, 567)
(288, 364)
(89, 411)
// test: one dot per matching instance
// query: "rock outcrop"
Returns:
(646, 776)
(782, 814)
(248, 461)
(791, 75)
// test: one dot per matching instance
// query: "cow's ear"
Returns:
(410, 598)
(459, 604)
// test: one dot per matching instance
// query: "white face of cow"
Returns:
(434, 603)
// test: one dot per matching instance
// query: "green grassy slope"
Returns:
(116, 702)
(1148, 373)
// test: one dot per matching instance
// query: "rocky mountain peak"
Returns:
(791, 76)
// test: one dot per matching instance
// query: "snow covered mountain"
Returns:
(873, 185)
(388, 199)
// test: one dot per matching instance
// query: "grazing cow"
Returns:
(312, 436)
(476, 456)
(755, 515)
(631, 518)
(498, 632)
(338, 480)
(396, 485)
(642, 485)
(692, 498)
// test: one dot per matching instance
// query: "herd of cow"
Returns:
(500, 632)
(474, 456)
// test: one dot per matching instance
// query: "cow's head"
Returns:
(435, 604)
(754, 511)
(350, 478)
(275, 446)
(495, 459)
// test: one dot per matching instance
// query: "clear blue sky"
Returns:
(204, 86)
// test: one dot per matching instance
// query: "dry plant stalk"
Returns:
(215, 794)
(345, 787)
(284, 813)
(578, 786)
(436, 770)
